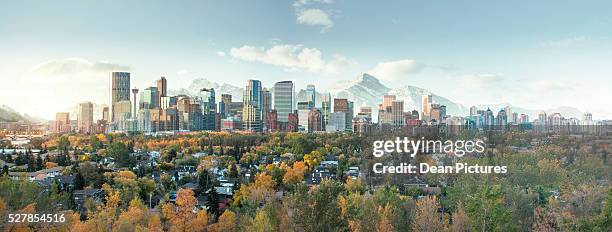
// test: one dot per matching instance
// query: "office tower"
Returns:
(149, 98)
(267, 106)
(253, 105)
(473, 110)
(343, 105)
(209, 108)
(85, 117)
(121, 113)
(489, 119)
(235, 109)
(337, 122)
(311, 96)
(224, 105)
(105, 114)
(365, 110)
(426, 101)
(523, 119)
(314, 120)
(144, 120)
(325, 108)
(542, 119)
(303, 119)
(385, 116)
(284, 95)
(340, 105)
(514, 117)
(162, 87)
(272, 118)
(502, 118)
(397, 109)
(62, 122)
(435, 114)
(167, 102)
(303, 106)
(388, 101)
(120, 90)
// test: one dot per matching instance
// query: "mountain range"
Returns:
(367, 90)
(8, 114)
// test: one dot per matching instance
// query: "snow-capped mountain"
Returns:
(199, 83)
(367, 90)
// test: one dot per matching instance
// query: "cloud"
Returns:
(481, 80)
(394, 70)
(315, 17)
(548, 85)
(70, 66)
(300, 3)
(221, 53)
(182, 72)
(291, 57)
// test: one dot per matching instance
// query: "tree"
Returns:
(213, 202)
(427, 217)
(384, 223)
(79, 181)
(120, 153)
(227, 222)
(461, 221)
(154, 224)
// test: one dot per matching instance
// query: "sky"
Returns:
(532, 54)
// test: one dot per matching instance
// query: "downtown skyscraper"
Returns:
(252, 106)
(284, 100)
(120, 91)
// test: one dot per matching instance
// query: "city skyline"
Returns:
(485, 55)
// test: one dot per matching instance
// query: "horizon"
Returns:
(486, 55)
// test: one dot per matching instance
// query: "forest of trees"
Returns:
(562, 183)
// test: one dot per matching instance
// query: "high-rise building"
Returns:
(149, 98)
(105, 114)
(426, 101)
(397, 109)
(292, 124)
(303, 106)
(473, 110)
(325, 108)
(311, 96)
(167, 102)
(284, 98)
(365, 110)
(337, 122)
(62, 122)
(253, 105)
(85, 117)
(502, 119)
(303, 119)
(162, 87)
(267, 106)
(388, 101)
(224, 105)
(120, 90)
(314, 120)
(209, 108)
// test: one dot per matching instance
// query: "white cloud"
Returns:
(300, 3)
(315, 17)
(70, 66)
(548, 85)
(182, 72)
(221, 53)
(481, 80)
(394, 70)
(291, 57)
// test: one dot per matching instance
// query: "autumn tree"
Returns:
(427, 217)
(460, 219)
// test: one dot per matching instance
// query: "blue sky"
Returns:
(535, 54)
